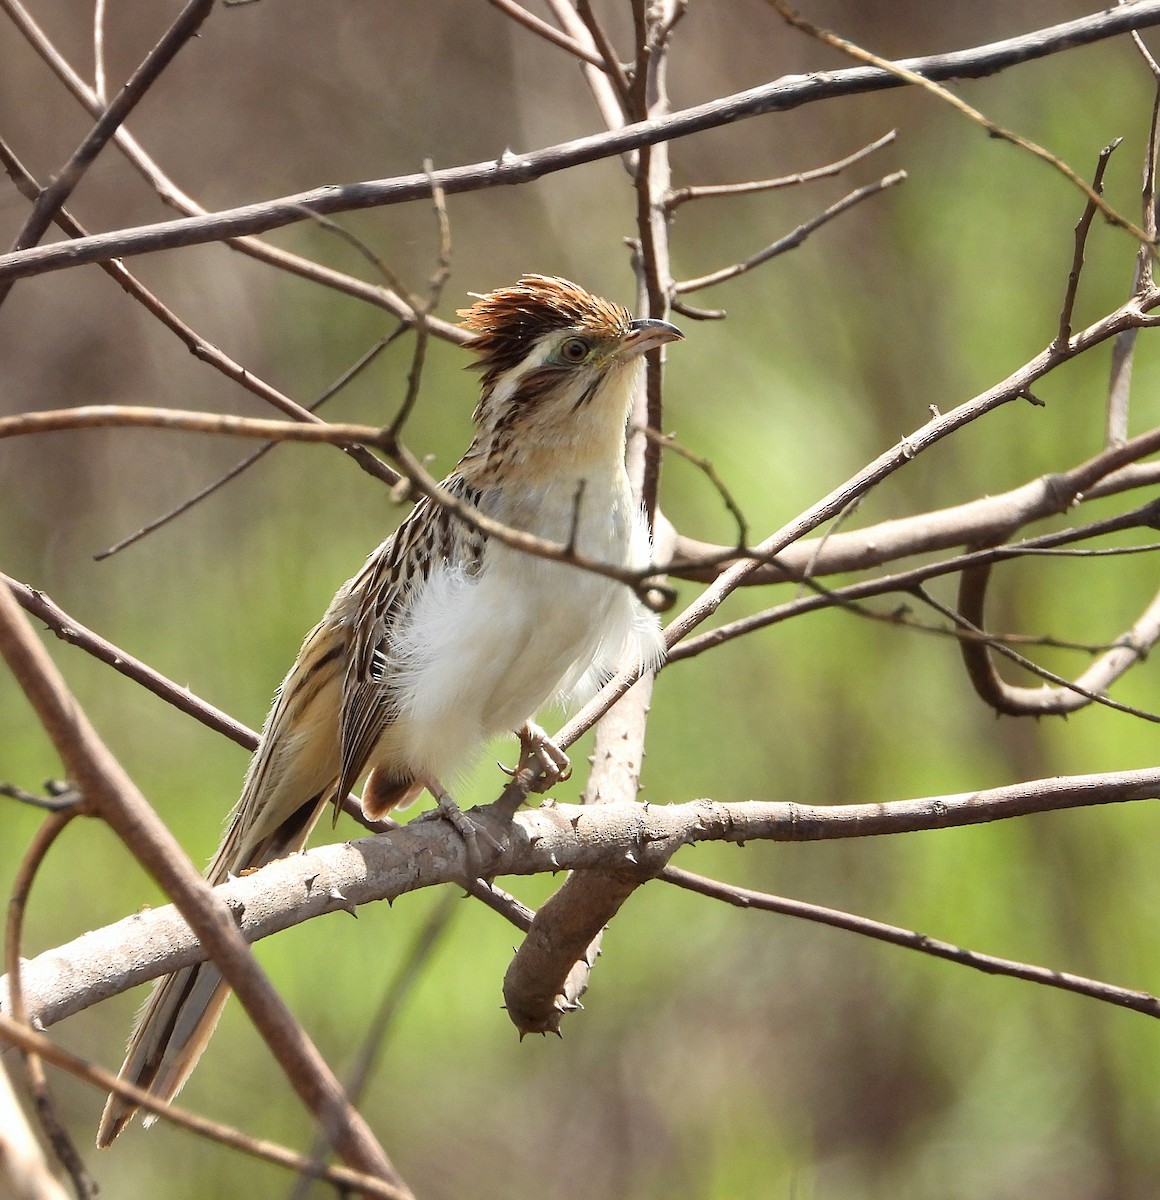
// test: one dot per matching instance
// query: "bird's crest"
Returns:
(508, 321)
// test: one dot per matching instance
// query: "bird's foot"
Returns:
(481, 845)
(540, 755)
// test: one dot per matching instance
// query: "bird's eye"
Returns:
(574, 350)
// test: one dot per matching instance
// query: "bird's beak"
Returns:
(647, 334)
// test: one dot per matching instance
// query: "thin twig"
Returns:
(174, 197)
(355, 1181)
(794, 238)
(72, 631)
(668, 441)
(1068, 695)
(99, 80)
(902, 582)
(607, 51)
(742, 897)
(1124, 347)
(704, 191)
(549, 33)
(512, 168)
(385, 472)
(909, 75)
(113, 796)
(55, 1131)
(1083, 226)
(50, 200)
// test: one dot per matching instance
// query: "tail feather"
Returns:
(290, 778)
(183, 1010)
(171, 1032)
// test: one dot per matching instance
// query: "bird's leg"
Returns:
(539, 753)
(472, 832)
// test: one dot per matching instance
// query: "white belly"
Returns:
(479, 655)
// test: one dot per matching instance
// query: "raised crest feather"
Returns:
(508, 321)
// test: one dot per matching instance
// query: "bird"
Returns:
(447, 636)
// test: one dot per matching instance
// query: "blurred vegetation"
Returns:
(721, 1054)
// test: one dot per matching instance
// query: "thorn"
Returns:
(343, 903)
(630, 857)
(310, 880)
(554, 861)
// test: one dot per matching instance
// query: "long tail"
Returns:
(290, 780)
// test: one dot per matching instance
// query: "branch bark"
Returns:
(779, 96)
(542, 840)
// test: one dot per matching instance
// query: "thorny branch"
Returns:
(647, 849)
(635, 839)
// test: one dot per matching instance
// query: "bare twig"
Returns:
(1067, 696)
(1082, 228)
(55, 1131)
(703, 191)
(24, 1170)
(519, 168)
(908, 74)
(380, 468)
(51, 199)
(70, 630)
(173, 196)
(355, 1181)
(793, 239)
(742, 897)
(903, 582)
(549, 33)
(1123, 349)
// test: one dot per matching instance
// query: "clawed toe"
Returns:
(539, 753)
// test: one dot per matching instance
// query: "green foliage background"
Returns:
(721, 1054)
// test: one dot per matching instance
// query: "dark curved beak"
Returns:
(648, 333)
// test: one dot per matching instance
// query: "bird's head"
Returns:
(557, 362)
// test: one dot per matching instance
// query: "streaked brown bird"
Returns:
(445, 637)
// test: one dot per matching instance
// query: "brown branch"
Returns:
(173, 196)
(374, 466)
(513, 168)
(356, 1181)
(50, 200)
(603, 44)
(977, 522)
(549, 33)
(1068, 696)
(1124, 347)
(110, 794)
(1082, 229)
(68, 629)
(53, 1127)
(550, 970)
(199, 347)
(989, 964)
(906, 582)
